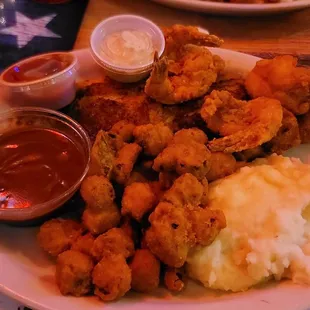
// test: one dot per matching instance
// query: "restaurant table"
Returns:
(264, 36)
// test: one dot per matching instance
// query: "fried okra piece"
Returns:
(167, 178)
(138, 199)
(84, 244)
(111, 277)
(153, 138)
(185, 190)
(102, 155)
(124, 130)
(97, 192)
(136, 176)
(189, 135)
(114, 241)
(191, 158)
(98, 222)
(174, 279)
(73, 273)
(57, 235)
(167, 237)
(204, 198)
(145, 269)
(222, 165)
(125, 161)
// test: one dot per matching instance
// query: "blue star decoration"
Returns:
(28, 28)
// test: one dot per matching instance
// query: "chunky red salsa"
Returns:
(37, 165)
(37, 68)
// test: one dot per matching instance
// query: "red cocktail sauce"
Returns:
(37, 165)
(37, 68)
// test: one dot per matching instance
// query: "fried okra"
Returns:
(189, 135)
(153, 138)
(111, 277)
(138, 199)
(185, 190)
(124, 130)
(57, 235)
(84, 244)
(98, 222)
(125, 161)
(97, 192)
(114, 241)
(145, 269)
(73, 273)
(174, 279)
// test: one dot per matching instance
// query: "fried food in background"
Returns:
(57, 235)
(73, 273)
(145, 269)
(189, 135)
(174, 279)
(111, 277)
(242, 124)
(84, 244)
(281, 79)
(124, 130)
(304, 127)
(197, 71)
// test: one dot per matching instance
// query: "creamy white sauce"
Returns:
(128, 48)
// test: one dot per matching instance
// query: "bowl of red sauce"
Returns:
(46, 80)
(44, 156)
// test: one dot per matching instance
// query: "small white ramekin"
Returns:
(52, 92)
(120, 23)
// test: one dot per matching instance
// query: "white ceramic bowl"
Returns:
(53, 92)
(120, 23)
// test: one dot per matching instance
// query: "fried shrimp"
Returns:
(111, 277)
(153, 138)
(242, 124)
(185, 190)
(57, 235)
(145, 269)
(191, 158)
(73, 273)
(281, 79)
(138, 199)
(198, 70)
(177, 36)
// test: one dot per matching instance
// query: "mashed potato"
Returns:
(268, 227)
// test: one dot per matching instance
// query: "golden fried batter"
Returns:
(98, 222)
(138, 200)
(84, 244)
(125, 161)
(197, 70)
(189, 135)
(153, 138)
(111, 277)
(97, 192)
(185, 190)
(145, 269)
(242, 124)
(174, 231)
(174, 279)
(57, 235)
(73, 273)
(287, 137)
(222, 165)
(204, 198)
(281, 79)
(191, 158)
(102, 155)
(251, 154)
(123, 129)
(167, 178)
(114, 241)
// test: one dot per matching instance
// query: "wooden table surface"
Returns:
(262, 36)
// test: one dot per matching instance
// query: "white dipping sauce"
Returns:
(128, 48)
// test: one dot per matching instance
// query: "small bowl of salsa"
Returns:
(46, 80)
(44, 156)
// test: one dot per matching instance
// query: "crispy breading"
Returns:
(166, 179)
(189, 135)
(84, 244)
(153, 138)
(114, 241)
(57, 235)
(125, 161)
(174, 279)
(145, 269)
(111, 277)
(124, 129)
(281, 79)
(73, 273)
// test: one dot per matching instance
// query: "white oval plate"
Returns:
(235, 9)
(27, 274)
